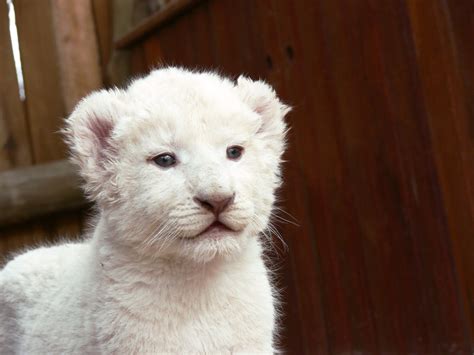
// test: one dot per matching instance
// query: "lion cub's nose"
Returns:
(216, 203)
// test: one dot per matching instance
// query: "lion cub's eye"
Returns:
(234, 152)
(165, 160)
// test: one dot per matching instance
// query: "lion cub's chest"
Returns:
(223, 318)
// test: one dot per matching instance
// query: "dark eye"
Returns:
(234, 152)
(165, 160)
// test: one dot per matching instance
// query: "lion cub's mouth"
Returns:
(215, 230)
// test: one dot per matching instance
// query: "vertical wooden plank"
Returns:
(77, 48)
(162, 50)
(225, 37)
(42, 78)
(256, 41)
(348, 312)
(80, 73)
(153, 52)
(119, 69)
(103, 14)
(460, 16)
(201, 36)
(442, 33)
(14, 140)
(138, 61)
(388, 150)
(306, 326)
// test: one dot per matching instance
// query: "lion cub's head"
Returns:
(181, 163)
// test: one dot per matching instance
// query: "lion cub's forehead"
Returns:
(175, 86)
(182, 106)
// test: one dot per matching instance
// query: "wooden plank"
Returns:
(38, 190)
(226, 38)
(44, 107)
(336, 237)
(201, 36)
(102, 10)
(306, 327)
(77, 48)
(17, 238)
(155, 21)
(138, 63)
(447, 78)
(15, 144)
(42, 78)
(390, 177)
(118, 69)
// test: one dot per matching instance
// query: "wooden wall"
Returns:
(60, 64)
(381, 160)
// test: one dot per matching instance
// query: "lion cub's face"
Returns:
(182, 163)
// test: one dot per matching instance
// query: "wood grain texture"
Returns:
(44, 110)
(158, 19)
(118, 69)
(57, 228)
(380, 164)
(102, 10)
(78, 51)
(39, 190)
(446, 75)
(15, 145)
(41, 72)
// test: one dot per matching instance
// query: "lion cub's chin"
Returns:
(213, 244)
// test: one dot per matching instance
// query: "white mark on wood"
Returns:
(16, 49)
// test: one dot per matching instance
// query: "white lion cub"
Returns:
(183, 167)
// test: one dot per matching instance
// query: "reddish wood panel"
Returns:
(380, 164)
(447, 76)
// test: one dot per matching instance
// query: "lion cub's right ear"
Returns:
(89, 135)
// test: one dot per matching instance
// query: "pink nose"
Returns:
(215, 203)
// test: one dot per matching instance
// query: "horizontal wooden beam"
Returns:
(39, 190)
(154, 22)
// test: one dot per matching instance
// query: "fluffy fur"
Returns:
(144, 281)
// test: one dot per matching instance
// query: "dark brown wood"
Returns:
(381, 160)
(57, 228)
(39, 190)
(155, 21)
(446, 75)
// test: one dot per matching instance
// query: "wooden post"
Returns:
(39, 190)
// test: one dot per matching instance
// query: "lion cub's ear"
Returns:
(89, 135)
(262, 99)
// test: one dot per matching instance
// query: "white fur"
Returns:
(141, 283)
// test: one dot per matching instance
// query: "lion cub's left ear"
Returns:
(262, 99)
